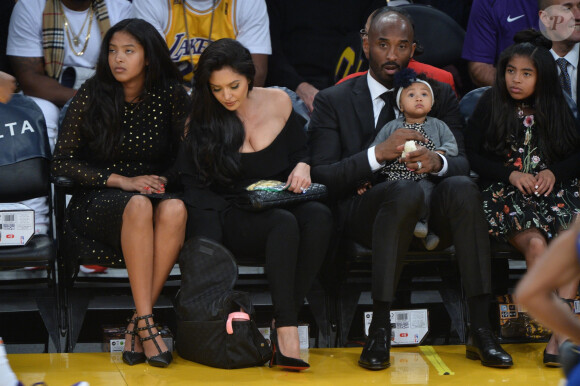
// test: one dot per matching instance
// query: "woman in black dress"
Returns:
(240, 134)
(524, 143)
(117, 140)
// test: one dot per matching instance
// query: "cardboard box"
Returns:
(516, 323)
(304, 336)
(16, 224)
(265, 331)
(114, 338)
(408, 327)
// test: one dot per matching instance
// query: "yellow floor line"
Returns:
(436, 360)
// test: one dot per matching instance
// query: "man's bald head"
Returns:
(392, 14)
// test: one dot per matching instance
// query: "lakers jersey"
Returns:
(187, 44)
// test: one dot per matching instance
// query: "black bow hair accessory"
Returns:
(404, 78)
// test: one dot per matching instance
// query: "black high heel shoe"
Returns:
(551, 360)
(132, 357)
(280, 360)
(163, 359)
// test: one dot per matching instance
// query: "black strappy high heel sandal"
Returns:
(132, 357)
(280, 360)
(163, 359)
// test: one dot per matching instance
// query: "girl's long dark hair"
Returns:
(558, 135)
(216, 134)
(101, 119)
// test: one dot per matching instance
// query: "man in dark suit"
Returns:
(556, 17)
(344, 122)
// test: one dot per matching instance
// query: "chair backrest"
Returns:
(25, 174)
(24, 151)
(440, 36)
(351, 58)
(469, 101)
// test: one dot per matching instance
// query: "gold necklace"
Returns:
(76, 38)
(132, 105)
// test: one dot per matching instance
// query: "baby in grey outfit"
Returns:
(415, 100)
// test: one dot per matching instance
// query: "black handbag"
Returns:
(265, 199)
(206, 301)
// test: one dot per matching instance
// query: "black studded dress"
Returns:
(152, 128)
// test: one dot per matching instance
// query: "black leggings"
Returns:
(294, 242)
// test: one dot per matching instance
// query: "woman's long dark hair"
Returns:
(101, 119)
(558, 135)
(216, 134)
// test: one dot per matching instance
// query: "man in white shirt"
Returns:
(82, 41)
(200, 22)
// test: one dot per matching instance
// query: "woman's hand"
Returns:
(143, 184)
(525, 182)
(299, 180)
(545, 181)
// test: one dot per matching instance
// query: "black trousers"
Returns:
(385, 216)
(294, 242)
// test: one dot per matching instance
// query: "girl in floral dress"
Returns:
(524, 143)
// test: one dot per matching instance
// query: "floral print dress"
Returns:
(508, 211)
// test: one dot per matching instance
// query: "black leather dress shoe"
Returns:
(482, 344)
(376, 354)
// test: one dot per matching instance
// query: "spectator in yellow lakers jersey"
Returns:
(188, 27)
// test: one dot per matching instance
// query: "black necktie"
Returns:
(387, 113)
(564, 76)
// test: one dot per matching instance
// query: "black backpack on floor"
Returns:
(204, 303)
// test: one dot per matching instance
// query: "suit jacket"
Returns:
(577, 84)
(342, 128)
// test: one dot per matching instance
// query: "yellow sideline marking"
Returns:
(436, 360)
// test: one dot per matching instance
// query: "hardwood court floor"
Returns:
(409, 366)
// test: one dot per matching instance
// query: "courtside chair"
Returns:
(80, 291)
(109, 292)
(433, 271)
(440, 37)
(469, 101)
(24, 175)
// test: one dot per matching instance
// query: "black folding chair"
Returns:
(24, 174)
